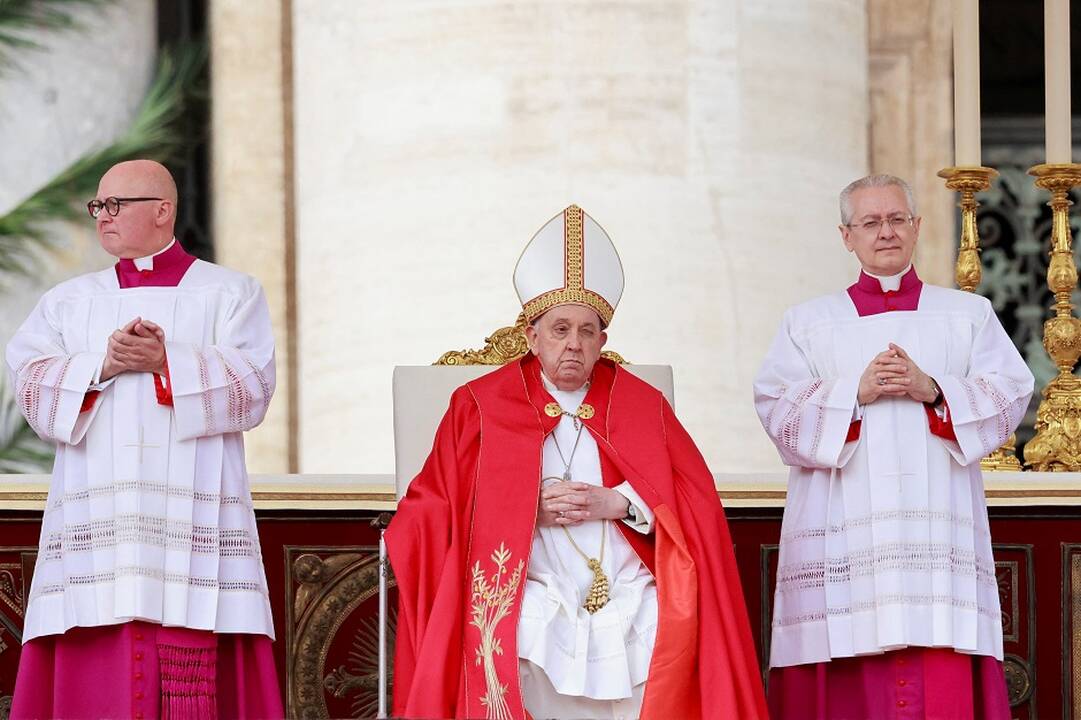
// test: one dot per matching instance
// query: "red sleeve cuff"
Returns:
(88, 400)
(854, 431)
(940, 426)
(163, 386)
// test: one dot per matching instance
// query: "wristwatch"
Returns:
(939, 397)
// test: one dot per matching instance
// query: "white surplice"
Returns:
(603, 656)
(149, 513)
(885, 540)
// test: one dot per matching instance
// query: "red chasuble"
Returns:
(461, 539)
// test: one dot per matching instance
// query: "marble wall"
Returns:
(251, 163)
(379, 166)
(433, 138)
(911, 124)
(78, 93)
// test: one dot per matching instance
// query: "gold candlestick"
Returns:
(1057, 444)
(969, 181)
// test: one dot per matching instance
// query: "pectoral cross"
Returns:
(140, 445)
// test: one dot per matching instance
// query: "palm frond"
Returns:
(156, 133)
(21, 450)
(22, 20)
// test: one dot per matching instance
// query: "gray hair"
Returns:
(873, 181)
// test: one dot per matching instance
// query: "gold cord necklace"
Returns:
(597, 596)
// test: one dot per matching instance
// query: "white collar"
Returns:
(552, 389)
(147, 262)
(890, 283)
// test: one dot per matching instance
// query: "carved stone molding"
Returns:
(332, 651)
(1018, 679)
(16, 570)
(1071, 630)
(1014, 574)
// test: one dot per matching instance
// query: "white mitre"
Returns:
(571, 260)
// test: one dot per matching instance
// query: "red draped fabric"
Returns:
(460, 546)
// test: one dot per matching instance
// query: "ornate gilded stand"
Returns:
(1057, 444)
(969, 181)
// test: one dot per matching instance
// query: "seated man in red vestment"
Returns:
(563, 553)
(148, 596)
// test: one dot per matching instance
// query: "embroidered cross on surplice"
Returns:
(900, 475)
(140, 445)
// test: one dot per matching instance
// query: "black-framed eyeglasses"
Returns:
(112, 204)
(872, 227)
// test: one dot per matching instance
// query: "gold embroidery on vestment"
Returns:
(573, 290)
(492, 599)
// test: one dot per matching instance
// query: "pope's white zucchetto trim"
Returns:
(571, 260)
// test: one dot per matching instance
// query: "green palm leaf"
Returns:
(20, 20)
(156, 133)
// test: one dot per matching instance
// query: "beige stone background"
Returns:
(396, 157)
(379, 167)
(78, 93)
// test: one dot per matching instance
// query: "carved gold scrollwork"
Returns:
(361, 679)
(1018, 679)
(1005, 458)
(502, 346)
(968, 181)
(1057, 444)
(332, 584)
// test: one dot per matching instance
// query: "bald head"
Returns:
(141, 227)
(150, 178)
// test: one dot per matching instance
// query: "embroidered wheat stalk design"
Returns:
(492, 599)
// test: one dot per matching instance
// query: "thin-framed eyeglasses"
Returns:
(872, 227)
(112, 204)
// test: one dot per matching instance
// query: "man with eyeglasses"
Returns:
(883, 398)
(149, 596)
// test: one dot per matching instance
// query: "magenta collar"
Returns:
(169, 269)
(869, 299)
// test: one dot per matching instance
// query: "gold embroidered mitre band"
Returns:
(571, 260)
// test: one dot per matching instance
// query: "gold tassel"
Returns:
(598, 591)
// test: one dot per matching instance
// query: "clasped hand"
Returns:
(572, 503)
(139, 346)
(892, 373)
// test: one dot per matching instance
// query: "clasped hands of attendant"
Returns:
(572, 503)
(139, 346)
(892, 373)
